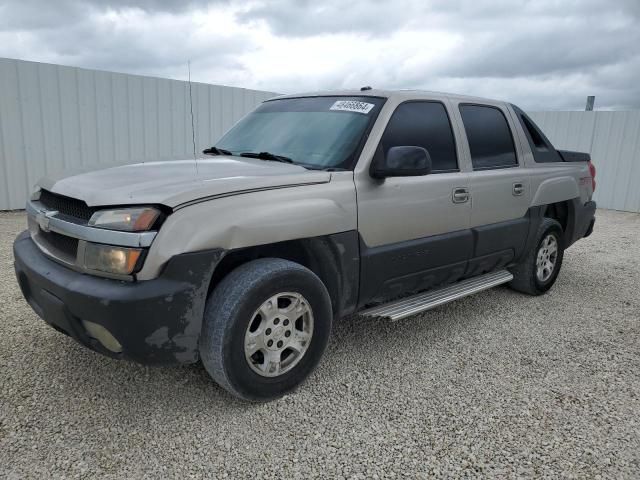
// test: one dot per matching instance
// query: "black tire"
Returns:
(525, 278)
(231, 307)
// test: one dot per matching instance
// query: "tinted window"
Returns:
(490, 139)
(541, 147)
(318, 132)
(423, 124)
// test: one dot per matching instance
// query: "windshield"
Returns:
(318, 132)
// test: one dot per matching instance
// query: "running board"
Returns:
(421, 302)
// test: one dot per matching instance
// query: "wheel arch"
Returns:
(564, 213)
(333, 258)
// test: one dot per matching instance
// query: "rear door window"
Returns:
(490, 140)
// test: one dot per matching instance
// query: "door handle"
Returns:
(460, 195)
(518, 189)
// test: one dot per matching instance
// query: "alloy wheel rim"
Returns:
(279, 334)
(547, 258)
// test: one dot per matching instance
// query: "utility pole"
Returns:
(590, 101)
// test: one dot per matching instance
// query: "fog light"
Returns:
(101, 334)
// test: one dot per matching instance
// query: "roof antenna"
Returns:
(193, 129)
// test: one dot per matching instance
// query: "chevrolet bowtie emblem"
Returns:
(43, 219)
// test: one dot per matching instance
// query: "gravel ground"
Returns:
(497, 385)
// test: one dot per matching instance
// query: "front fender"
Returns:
(257, 218)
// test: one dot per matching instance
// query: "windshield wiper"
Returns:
(267, 156)
(216, 151)
(323, 169)
(260, 155)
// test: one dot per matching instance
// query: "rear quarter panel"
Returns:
(555, 181)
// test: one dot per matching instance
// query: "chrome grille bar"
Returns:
(48, 220)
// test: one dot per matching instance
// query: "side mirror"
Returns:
(404, 161)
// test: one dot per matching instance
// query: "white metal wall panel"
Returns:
(54, 118)
(613, 140)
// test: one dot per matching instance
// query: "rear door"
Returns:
(414, 230)
(499, 186)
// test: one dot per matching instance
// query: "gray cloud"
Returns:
(36, 14)
(76, 33)
(544, 53)
(140, 50)
(308, 17)
(302, 18)
(541, 54)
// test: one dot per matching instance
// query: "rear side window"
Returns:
(423, 124)
(543, 151)
(490, 139)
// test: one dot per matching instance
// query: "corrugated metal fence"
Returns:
(54, 118)
(613, 140)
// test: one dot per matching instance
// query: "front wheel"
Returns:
(265, 329)
(540, 268)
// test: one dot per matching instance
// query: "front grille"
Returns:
(59, 244)
(66, 206)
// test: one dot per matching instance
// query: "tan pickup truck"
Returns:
(312, 207)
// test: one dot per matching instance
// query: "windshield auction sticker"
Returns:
(352, 106)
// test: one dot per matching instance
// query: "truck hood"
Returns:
(179, 182)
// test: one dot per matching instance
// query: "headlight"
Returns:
(125, 219)
(111, 259)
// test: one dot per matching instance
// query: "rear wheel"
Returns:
(539, 270)
(265, 329)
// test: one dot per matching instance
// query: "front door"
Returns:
(414, 230)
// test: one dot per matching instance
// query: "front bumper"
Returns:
(155, 321)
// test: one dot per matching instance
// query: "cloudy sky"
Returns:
(541, 54)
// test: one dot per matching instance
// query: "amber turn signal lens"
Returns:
(145, 220)
(132, 259)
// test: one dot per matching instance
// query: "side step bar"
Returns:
(420, 302)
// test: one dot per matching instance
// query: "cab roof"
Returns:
(400, 94)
